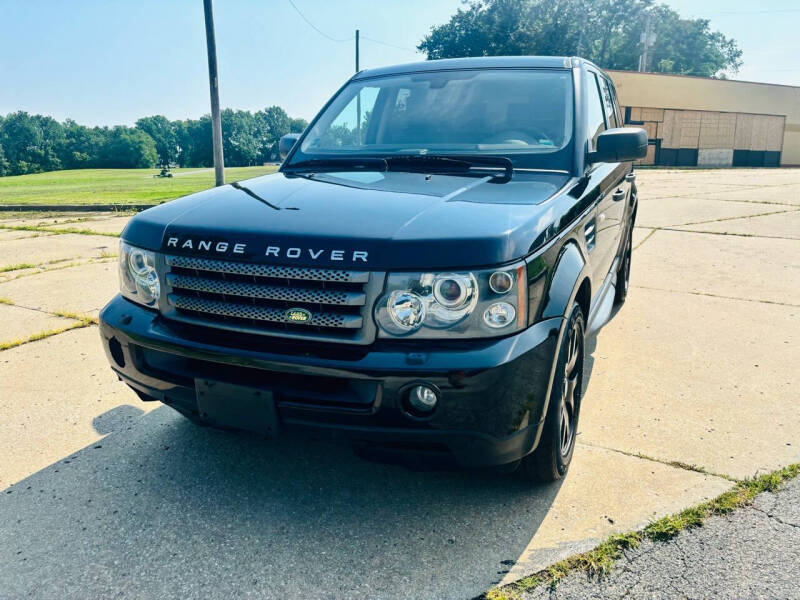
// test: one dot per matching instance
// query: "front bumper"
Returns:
(493, 392)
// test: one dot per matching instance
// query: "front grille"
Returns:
(255, 298)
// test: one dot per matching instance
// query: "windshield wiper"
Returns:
(349, 163)
(458, 163)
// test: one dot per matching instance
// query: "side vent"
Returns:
(589, 234)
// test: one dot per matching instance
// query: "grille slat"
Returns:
(272, 271)
(262, 313)
(258, 298)
(267, 292)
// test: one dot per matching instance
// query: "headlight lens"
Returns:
(138, 277)
(454, 304)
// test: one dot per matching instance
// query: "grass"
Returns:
(84, 322)
(60, 231)
(113, 186)
(600, 560)
(80, 321)
(43, 268)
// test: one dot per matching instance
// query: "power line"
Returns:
(317, 29)
(734, 13)
(349, 39)
(374, 41)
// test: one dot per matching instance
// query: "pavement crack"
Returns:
(647, 237)
(774, 517)
(764, 214)
(657, 289)
(670, 463)
(730, 233)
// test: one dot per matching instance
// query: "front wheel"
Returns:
(550, 460)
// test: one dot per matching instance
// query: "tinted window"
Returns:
(617, 110)
(608, 103)
(501, 112)
(594, 109)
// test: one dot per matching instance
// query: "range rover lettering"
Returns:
(417, 279)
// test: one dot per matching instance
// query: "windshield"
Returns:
(523, 114)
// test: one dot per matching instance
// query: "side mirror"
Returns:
(286, 143)
(620, 145)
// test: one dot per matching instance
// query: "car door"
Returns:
(607, 178)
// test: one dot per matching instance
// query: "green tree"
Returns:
(80, 146)
(297, 125)
(128, 148)
(3, 162)
(29, 142)
(163, 132)
(240, 143)
(604, 31)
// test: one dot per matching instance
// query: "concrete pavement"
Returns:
(104, 495)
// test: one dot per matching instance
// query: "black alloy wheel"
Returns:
(551, 459)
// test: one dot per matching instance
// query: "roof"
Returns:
(478, 62)
(715, 79)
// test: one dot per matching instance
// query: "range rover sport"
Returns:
(418, 278)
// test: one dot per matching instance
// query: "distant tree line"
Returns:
(35, 143)
(607, 32)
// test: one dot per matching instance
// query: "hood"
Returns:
(365, 220)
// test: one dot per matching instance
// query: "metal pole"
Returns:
(213, 82)
(647, 36)
(358, 100)
(357, 34)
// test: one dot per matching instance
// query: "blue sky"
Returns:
(112, 61)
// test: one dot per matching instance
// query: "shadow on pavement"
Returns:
(161, 508)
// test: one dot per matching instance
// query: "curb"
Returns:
(74, 207)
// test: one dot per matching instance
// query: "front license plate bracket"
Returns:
(237, 406)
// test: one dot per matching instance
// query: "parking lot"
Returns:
(693, 382)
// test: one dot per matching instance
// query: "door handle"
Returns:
(630, 177)
(618, 195)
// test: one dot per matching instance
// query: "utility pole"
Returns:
(648, 38)
(358, 100)
(213, 82)
(357, 34)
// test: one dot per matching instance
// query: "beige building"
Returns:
(697, 121)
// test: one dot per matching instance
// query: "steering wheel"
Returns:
(517, 138)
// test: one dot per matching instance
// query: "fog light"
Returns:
(422, 399)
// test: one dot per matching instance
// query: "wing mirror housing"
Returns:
(286, 143)
(620, 144)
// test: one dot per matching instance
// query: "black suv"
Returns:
(418, 279)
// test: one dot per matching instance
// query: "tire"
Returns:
(550, 460)
(624, 271)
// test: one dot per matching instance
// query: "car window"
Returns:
(608, 104)
(617, 110)
(594, 109)
(492, 111)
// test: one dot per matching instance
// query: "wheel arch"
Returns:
(570, 281)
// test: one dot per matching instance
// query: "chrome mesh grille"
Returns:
(256, 298)
(268, 292)
(275, 271)
(262, 313)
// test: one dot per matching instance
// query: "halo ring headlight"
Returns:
(453, 290)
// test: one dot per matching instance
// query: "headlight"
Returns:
(138, 278)
(454, 304)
